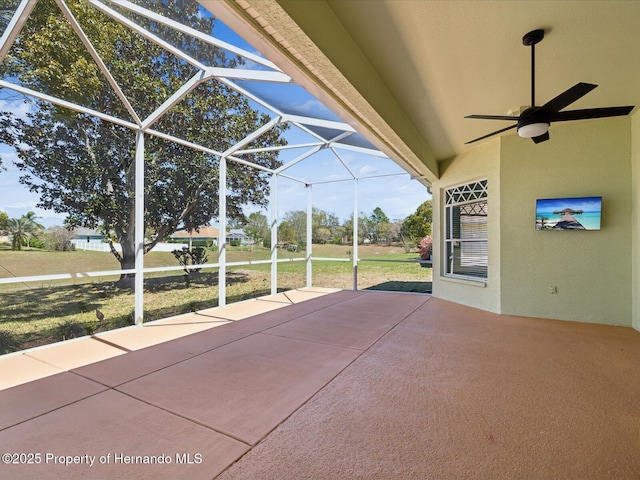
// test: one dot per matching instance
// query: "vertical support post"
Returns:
(449, 243)
(355, 234)
(309, 231)
(222, 233)
(139, 230)
(273, 203)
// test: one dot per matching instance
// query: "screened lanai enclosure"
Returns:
(138, 119)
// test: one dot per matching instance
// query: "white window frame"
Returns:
(472, 197)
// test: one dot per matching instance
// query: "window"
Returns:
(466, 237)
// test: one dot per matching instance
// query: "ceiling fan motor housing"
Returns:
(532, 123)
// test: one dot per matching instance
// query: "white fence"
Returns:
(99, 246)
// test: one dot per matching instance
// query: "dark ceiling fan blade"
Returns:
(491, 134)
(591, 113)
(541, 138)
(494, 117)
(567, 97)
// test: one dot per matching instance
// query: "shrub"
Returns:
(408, 243)
(36, 242)
(426, 248)
(8, 342)
(70, 329)
(58, 239)
(292, 247)
(194, 256)
(130, 320)
(201, 243)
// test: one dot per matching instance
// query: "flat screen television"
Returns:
(579, 213)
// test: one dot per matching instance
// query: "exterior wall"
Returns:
(635, 186)
(591, 269)
(595, 272)
(481, 162)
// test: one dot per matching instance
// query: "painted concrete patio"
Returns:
(339, 385)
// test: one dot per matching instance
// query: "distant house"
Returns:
(87, 235)
(90, 239)
(237, 237)
(203, 234)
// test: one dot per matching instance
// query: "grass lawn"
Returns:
(37, 313)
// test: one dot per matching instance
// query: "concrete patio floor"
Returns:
(325, 384)
(33, 364)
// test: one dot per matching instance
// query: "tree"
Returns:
(362, 227)
(418, 224)
(22, 229)
(297, 220)
(238, 222)
(286, 233)
(337, 230)
(322, 235)
(378, 225)
(324, 225)
(257, 227)
(4, 218)
(394, 230)
(83, 166)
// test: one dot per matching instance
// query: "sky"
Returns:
(398, 196)
(586, 204)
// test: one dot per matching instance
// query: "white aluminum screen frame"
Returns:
(142, 128)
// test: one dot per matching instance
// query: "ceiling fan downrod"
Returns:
(530, 39)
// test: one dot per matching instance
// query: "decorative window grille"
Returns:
(466, 232)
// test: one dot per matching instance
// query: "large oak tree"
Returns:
(84, 167)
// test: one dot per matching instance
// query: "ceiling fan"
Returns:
(534, 121)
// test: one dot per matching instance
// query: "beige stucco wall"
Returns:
(592, 270)
(635, 186)
(479, 163)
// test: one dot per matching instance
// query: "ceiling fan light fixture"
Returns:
(533, 130)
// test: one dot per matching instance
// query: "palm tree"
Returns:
(22, 229)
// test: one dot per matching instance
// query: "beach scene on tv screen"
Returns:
(568, 213)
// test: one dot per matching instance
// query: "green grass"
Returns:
(37, 313)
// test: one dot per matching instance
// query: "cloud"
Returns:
(367, 170)
(31, 204)
(311, 106)
(335, 176)
(19, 108)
